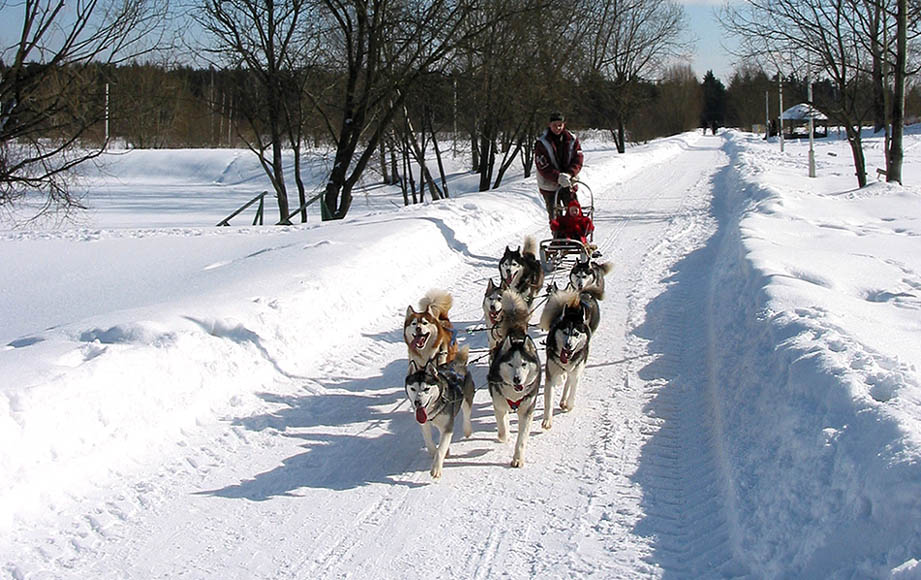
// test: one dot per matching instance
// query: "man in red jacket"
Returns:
(558, 158)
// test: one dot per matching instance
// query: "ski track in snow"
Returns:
(318, 482)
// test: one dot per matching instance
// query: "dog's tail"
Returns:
(555, 306)
(460, 360)
(594, 291)
(438, 302)
(606, 268)
(515, 312)
(530, 246)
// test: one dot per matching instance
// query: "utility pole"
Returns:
(767, 115)
(780, 111)
(811, 131)
(107, 117)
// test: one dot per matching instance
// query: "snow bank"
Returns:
(209, 326)
(816, 368)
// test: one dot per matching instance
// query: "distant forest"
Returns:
(379, 84)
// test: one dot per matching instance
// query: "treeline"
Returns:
(153, 106)
(376, 83)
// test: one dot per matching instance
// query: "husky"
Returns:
(568, 337)
(589, 298)
(589, 273)
(521, 271)
(428, 333)
(437, 393)
(514, 374)
(492, 312)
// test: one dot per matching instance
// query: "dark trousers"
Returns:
(562, 199)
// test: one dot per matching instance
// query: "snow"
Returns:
(183, 400)
(802, 112)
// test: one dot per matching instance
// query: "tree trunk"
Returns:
(878, 51)
(621, 138)
(301, 189)
(441, 167)
(382, 149)
(278, 168)
(894, 173)
(860, 164)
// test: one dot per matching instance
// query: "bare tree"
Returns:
(804, 35)
(514, 72)
(52, 90)
(380, 47)
(834, 39)
(267, 39)
(629, 40)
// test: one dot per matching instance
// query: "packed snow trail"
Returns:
(331, 480)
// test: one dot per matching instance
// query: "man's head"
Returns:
(557, 122)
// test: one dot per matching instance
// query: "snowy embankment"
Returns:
(121, 338)
(815, 343)
(116, 340)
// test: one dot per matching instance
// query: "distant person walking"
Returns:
(558, 158)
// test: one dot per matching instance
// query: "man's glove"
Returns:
(565, 180)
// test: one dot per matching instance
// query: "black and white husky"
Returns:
(567, 323)
(521, 271)
(437, 394)
(514, 374)
(588, 273)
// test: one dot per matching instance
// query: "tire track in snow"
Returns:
(683, 495)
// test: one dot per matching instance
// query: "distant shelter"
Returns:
(796, 121)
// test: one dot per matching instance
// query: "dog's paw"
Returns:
(565, 407)
(547, 423)
(468, 431)
(501, 437)
(436, 472)
(518, 462)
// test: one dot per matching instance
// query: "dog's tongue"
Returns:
(564, 355)
(421, 415)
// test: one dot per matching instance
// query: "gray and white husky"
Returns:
(588, 273)
(514, 374)
(521, 271)
(569, 334)
(437, 394)
(492, 312)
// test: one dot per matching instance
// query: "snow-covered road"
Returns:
(331, 479)
(239, 411)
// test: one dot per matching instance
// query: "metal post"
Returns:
(454, 144)
(780, 112)
(107, 116)
(767, 116)
(811, 131)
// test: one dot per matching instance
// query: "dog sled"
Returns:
(565, 252)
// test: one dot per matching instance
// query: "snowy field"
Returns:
(182, 400)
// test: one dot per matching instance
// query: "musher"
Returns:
(558, 158)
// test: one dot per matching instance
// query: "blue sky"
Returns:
(709, 55)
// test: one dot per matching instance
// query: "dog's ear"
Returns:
(431, 368)
(413, 368)
(490, 287)
(409, 312)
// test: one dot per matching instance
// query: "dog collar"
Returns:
(515, 404)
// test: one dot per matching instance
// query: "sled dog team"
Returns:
(438, 383)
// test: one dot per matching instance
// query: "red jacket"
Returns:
(573, 224)
(563, 156)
